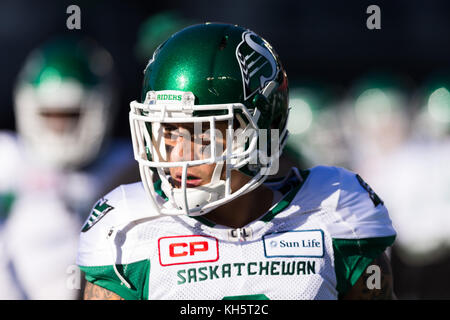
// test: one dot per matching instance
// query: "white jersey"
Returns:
(42, 212)
(313, 244)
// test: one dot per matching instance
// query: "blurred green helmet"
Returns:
(315, 135)
(64, 101)
(205, 74)
(432, 102)
(156, 29)
(379, 99)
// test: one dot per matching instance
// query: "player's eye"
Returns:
(170, 132)
(169, 128)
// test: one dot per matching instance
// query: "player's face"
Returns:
(187, 142)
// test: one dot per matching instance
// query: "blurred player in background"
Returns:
(415, 179)
(375, 120)
(316, 133)
(61, 160)
(155, 29)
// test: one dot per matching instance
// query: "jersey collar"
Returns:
(288, 186)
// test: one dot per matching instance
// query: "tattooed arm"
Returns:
(362, 290)
(94, 292)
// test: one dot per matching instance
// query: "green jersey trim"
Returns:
(205, 221)
(136, 274)
(353, 256)
(287, 190)
(287, 199)
(281, 205)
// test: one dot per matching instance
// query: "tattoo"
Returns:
(366, 288)
(94, 292)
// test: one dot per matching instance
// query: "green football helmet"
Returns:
(432, 103)
(204, 75)
(315, 129)
(64, 101)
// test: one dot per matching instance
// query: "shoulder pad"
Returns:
(362, 212)
(355, 211)
(119, 207)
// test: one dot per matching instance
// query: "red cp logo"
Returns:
(187, 249)
(181, 249)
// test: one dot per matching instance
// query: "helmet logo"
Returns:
(257, 63)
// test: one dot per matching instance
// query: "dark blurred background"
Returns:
(325, 43)
(320, 40)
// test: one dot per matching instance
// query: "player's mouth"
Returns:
(192, 181)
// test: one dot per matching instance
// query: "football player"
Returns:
(61, 160)
(205, 222)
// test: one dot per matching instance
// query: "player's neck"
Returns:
(244, 209)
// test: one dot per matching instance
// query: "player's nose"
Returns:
(183, 150)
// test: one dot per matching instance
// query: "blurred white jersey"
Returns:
(415, 181)
(41, 215)
(326, 227)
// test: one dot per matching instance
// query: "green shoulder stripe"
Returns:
(136, 274)
(353, 256)
(282, 204)
(289, 195)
